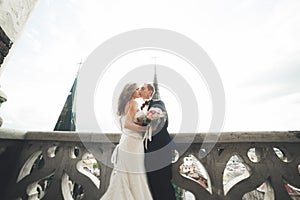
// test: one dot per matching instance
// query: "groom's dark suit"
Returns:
(158, 160)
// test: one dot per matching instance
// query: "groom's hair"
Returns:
(150, 87)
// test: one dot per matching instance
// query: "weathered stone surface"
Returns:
(17, 147)
(14, 15)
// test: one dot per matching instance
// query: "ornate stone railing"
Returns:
(57, 165)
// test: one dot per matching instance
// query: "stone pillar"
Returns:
(13, 16)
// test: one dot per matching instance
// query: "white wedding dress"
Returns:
(128, 180)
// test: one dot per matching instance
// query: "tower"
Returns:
(67, 117)
(156, 95)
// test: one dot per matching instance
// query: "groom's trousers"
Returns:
(159, 173)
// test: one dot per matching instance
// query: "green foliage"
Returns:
(177, 191)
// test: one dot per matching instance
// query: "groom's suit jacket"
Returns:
(158, 159)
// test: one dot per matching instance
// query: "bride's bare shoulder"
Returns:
(135, 104)
(131, 105)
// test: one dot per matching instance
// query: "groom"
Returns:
(158, 153)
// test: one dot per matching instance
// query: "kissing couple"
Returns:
(143, 158)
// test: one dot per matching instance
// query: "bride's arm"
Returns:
(129, 123)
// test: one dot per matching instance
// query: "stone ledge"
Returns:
(223, 137)
(12, 134)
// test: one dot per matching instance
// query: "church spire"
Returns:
(156, 95)
(67, 118)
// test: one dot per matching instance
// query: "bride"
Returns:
(128, 180)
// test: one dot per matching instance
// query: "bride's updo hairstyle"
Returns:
(125, 96)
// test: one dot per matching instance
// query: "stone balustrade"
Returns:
(229, 165)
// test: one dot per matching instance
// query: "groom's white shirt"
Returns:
(145, 109)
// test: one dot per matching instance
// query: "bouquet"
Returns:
(144, 119)
(141, 119)
(152, 119)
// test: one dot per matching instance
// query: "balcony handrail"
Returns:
(222, 137)
(277, 163)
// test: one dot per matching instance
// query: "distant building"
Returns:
(191, 168)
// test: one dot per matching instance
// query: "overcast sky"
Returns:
(254, 45)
